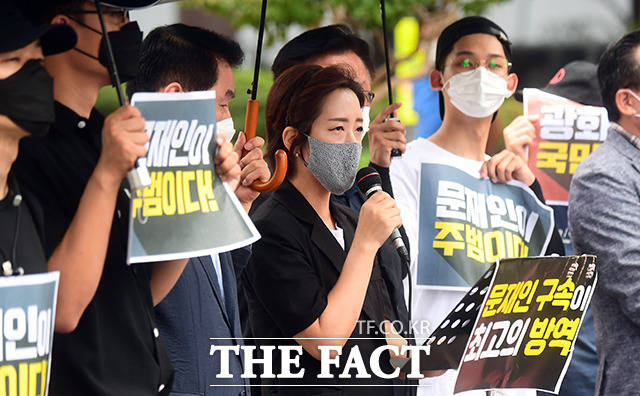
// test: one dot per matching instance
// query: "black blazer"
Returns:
(291, 271)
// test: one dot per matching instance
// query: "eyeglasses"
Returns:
(369, 95)
(495, 64)
(124, 14)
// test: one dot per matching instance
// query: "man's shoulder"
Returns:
(417, 149)
(605, 161)
(417, 152)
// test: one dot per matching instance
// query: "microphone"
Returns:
(369, 182)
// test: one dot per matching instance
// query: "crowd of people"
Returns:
(325, 261)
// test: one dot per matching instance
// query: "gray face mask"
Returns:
(334, 164)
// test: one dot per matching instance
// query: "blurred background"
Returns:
(546, 34)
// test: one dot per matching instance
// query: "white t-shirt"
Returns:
(430, 307)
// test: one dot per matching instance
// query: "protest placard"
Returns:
(466, 224)
(27, 318)
(525, 332)
(566, 132)
(187, 210)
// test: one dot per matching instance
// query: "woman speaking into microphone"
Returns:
(316, 278)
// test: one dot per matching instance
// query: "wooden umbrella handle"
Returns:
(250, 125)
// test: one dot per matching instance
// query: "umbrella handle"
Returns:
(250, 125)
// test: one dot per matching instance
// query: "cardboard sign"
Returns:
(187, 211)
(525, 332)
(27, 319)
(566, 133)
(466, 224)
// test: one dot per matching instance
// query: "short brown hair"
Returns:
(296, 99)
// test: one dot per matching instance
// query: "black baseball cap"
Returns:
(576, 81)
(40, 9)
(465, 27)
(129, 4)
(16, 32)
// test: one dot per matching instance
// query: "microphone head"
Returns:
(366, 178)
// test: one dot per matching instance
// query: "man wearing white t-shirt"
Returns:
(473, 78)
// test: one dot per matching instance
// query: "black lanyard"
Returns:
(8, 261)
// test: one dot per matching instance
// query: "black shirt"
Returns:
(292, 269)
(114, 350)
(18, 228)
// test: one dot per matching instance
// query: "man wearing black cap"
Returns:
(106, 341)
(473, 78)
(576, 81)
(26, 109)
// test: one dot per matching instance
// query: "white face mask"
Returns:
(366, 120)
(477, 93)
(226, 126)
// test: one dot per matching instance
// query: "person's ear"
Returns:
(60, 19)
(512, 82)
(173, 87)
(436, 80)
(288, 136)
(625, 102)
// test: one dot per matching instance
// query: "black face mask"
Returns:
(125, 44)
(26, 97)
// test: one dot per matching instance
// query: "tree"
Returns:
(363, 16)
(359, 14)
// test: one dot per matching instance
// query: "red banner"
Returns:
(566, 133)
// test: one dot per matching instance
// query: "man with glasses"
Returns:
(106, 341)
(473, 78)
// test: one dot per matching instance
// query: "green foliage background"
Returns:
(362, 15)
(359, 14)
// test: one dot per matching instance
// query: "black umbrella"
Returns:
(394, 152)
(251, 120)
